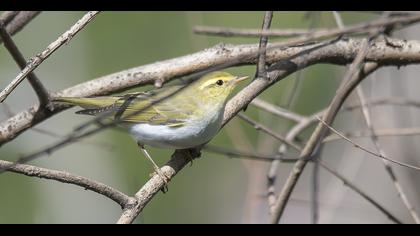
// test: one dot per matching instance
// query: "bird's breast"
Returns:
(193, 133)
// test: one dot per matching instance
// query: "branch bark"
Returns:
(15, 21)
(316, 137)
(65, 177)
(39, 58)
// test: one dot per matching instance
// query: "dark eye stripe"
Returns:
(219, 82)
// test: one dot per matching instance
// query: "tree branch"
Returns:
(39, 58)
(382, 157)
(36, 84)
(16, 20)
(360, 192)
(340, 52)
(261, 64)
(179, 159)
(362, 28)
(317, 136)
(268, 131)
(65, 177)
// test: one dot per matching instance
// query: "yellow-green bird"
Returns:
(175, 117)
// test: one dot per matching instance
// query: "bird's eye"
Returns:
(219, 82)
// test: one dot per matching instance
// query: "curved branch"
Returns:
(39, 58)
(65, 177)
(339, 52)
(15, 21)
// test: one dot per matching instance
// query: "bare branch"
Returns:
(267, 130)
(315, 138)
(390, 132)
(367, 150)
(308, 35)
(65, 177)
(7, 16)
(397, 101)
(261, 71)
(276, 110)
(178, 160)
(340, 52)
(36, 84)
(361, 193)
(16, 20)
(388, 167)
(272, 173)
(232, 32)
(262, 157)
(374, 138)
(246, 155)
(39, 58)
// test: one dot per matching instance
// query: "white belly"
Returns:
(190, 135)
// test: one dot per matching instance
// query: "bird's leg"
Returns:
(193, 153)
(156, 167)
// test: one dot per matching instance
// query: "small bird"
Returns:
(177, 116)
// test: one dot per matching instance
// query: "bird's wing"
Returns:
(156, 107)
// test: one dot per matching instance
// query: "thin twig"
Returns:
(262, 48)
(261, 157)
(267, 130)
(15, 21)
(360, 192)
(315, 138)
(388, 167)
(36, 84)
(362, 28)
(374, 138)
(390, 132)
(232, 32)
(246, 155)
(276, 110)
(65, 177)
(397, 101)
(291, 135)
(39, 58)
(367, 150)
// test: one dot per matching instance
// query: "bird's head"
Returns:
(216, 85)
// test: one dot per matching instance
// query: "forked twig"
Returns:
(39, 58)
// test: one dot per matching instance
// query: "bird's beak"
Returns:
(239, 79)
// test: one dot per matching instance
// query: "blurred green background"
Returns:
(215, 189)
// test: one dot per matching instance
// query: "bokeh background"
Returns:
(215, 189)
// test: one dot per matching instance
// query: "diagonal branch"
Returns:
(262, 157)
(317, 136)
(367, 150)
(36, 84)
(374, 138)
(360, 192)
(268, 131)
(16, 20)
(39, 58)
(276, 110)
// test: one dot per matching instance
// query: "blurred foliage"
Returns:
(211, 190)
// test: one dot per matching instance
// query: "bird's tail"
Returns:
(88, 103)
